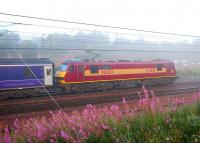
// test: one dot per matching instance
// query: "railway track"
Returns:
(16, 106)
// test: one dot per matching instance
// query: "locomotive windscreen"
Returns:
(63, 67)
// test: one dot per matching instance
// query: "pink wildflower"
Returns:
(139, 94)
(89, 105)
(105, 127)
(153, 106)
(145, 92)
(152, 93)
(64, 135)
(7, 138)
(124, 100)
(16, 123)
(51, 112)
(126, 107)
(40, 130)
(52, 141)
(162, 109)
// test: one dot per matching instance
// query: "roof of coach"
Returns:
(24, 61)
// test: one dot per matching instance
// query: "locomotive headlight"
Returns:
(57, 73)
(60, 74)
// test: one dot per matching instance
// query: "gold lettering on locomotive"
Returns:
(107, 72)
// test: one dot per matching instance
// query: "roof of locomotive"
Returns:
(117, 62)
(24, 61)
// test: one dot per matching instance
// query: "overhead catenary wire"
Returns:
(99, 25)
(105, 50)
(92, 52)
(6, 25)
(24, 32)
(66, 28)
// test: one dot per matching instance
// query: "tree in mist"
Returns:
(53, 46)
(8, 41)
(26, 44)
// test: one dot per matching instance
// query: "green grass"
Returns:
(182, 126)
(114, 124)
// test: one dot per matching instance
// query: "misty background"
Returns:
(57, 48)
(61, 47)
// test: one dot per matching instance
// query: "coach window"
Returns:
(28, 73)
(94, 69)
(71, 68)
(48, 71)
(159, 67)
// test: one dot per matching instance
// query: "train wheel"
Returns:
(81, 88)
(66, 89)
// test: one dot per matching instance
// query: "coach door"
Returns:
(48, 75)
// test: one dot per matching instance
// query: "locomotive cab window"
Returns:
(94, 69)
(159, 67)
(28, 73)
(71, 68)
(63, 67)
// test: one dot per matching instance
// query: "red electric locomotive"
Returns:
(86, 75)
(81, 76)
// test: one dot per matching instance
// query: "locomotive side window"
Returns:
(80, 69)
(28, 73)
(94, 69)
(106, 67)
(159, 67)
(71, 68)
(171, 66)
